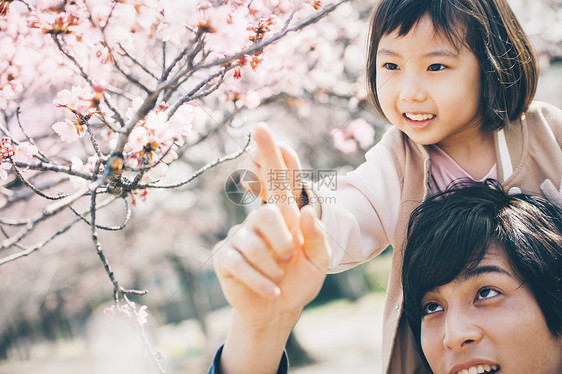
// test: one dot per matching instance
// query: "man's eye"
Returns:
(431, 308)
(486, 293)
(390, 66)
(436, 67)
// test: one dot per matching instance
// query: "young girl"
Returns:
(456, 78)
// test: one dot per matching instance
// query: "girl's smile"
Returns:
(428, 87)
(419, 120)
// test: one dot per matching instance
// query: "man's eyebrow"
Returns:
(479, 270)
(473, 273)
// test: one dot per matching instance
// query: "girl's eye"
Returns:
(431, 308)
(436, 67)
(486, 293)
(390, 66)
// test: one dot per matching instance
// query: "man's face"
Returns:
(487, 320)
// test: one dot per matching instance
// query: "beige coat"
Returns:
(370, 207)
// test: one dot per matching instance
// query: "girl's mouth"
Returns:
(418, 120)
(487, 369)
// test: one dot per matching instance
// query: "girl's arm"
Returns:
(268, 273)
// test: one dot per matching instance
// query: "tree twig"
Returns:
(201, 170)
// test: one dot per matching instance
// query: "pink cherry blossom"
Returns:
(357, 133)
(24, 152)
(156, 172)
(182, 121)
(142, 315)
(80, 100)
(3, 167)
(69, 131)
(137, 140)
(362, 131)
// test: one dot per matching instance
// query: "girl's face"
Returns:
(487, 319)
(427, 87)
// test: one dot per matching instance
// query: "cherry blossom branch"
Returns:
(49, 211)
(129, 77)
(197, 41)
(4, 129)
(85, 76)
(118, 291)
(30, 249)
(191, 95)
(29, 139)
(102, 28)
(139, 316)
(47, 166)
(259, 46)
(150, 100)
(126, 219)
(37, 246)
(25, 194)
(31, 186)
(136, 62)
(201, 170)
(93, 141)
(56, 207)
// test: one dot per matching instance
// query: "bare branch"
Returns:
(29, 250)
(136, 62)
(202, 170)
(25, 193)
(126, 219)
(97, 243)
(44, 166)
(197, 41)
(49, 211)
(94, 142)
(56, 207)
(30, 140)
(191, 94)
(32, 187)
(37, 246)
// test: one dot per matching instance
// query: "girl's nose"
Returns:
(460, 331)
(412, 90)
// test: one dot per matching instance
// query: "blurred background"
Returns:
(52, 316)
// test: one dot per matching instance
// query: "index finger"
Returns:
(278, 185)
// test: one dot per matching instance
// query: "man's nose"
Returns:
(460, 330)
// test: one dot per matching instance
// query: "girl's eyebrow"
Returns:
(387, 52)
(444, 52)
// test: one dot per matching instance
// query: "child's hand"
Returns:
(278, 169)
(266, 274)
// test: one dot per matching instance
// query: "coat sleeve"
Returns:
(215, 367)
(360, 209)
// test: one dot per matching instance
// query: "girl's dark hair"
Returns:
(508, 65)
(451, 232)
